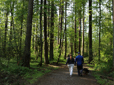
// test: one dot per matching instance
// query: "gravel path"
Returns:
(61, 77)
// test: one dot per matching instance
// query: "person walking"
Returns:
(79, 59)
(70, 62)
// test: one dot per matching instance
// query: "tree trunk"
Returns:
(45, 33)
(41, 33)
(65, 29)
(48, 24)
(52, 30)
(33, 39)
(26, 60)
(83, 33)
(14, 31)
(48, 19)
(62, 34)
(90, 31)
(113, 33)
(80, 30)
(5, 38)
(75, 30)
(99, 27)
(61, 12)
(11, 24)
(71, 41)
(71, 47)
(11, 34)
(59, 24)
(21, 34)
(37, 40)
(20, 38)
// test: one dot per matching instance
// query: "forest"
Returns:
(35, 34)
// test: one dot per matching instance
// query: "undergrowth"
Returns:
(12, 73)
(104, 69)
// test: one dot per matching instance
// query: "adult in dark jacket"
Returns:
(70, 62)
(79, 59)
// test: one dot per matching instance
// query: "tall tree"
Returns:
(5, 36)
(65, 29)
(52, 30)
(83, 31)
(71, 41)
(48, 18)
(45, 33)
(75, 28)
(37, 41)
(79, 30)
(11, 23)
(22, 16)
(90, 31)
(41, 33)
(61, 22)
(99, 27)
(26, 59)
(113, 33)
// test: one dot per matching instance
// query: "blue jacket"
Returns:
(79, 59)
(70, 61)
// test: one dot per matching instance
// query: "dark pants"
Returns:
(80, 68)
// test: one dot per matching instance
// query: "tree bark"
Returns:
(75, 30)
(37, 40)
(11, 24)
(113, 33)
(62, 21)
(61, 12)
(71, 41)
(41, 33)
(99, 27)
(52, 30)
(80, 30)
(5, 36)
(48, 19)
(10, 46)
(90, 31)
(65, 29)
(26, 60)
(83, 32)
(45, 33)
(20, 38)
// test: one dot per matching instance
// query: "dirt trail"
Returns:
(61, 77)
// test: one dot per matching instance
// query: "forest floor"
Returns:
(61, 77)
(58, 76)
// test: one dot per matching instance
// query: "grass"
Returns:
(99, 80)
(32, 77)
(96, 75)
(28, 75)
(13, 72)
(104, 70)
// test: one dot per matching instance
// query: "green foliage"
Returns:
(111, 74)
(102, 81)
(104, 69)
(30, 75)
